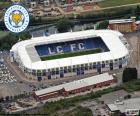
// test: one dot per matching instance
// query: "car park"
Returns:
(5, 75)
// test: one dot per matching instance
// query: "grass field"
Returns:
(3, 34)
(110, 3)
(78, 111)
(1, 15)
(4, 4)
(71, 54)
(132, 86)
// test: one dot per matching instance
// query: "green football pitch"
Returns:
(71, 54)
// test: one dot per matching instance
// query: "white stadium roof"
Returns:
(77, 84)
(110, 38)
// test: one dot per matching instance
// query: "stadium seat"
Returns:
(89, 43)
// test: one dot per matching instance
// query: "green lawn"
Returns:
(4, 4)
(79, 111)
(110, 3)
(1, 15)
(70, 54)
(3, 34)
(132, 86)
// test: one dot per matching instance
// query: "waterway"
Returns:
(46, 30)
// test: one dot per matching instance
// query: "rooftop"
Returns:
(120, 21)
(133, 103)
(77, 84)
(112, 107)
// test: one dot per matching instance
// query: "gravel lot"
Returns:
(134, 41)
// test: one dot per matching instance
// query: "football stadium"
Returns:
(71, 54)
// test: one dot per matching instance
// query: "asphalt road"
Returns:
(23, 85)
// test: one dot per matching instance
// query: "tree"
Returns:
(64, 25)
(137, 9)
(1, 99)
(11, 97)
(7, 41)
(2, 113)
(129, 74)
(127, 96)
(103, 25)
(133, 12)
(7, 98)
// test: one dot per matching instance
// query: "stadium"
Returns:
(71, 54)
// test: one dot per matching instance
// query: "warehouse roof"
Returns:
(112, 107)
(128, 104)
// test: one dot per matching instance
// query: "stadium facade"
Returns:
(71, 54)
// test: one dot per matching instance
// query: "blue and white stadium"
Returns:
(70, 54)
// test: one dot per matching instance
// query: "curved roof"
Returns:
(110, 38)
